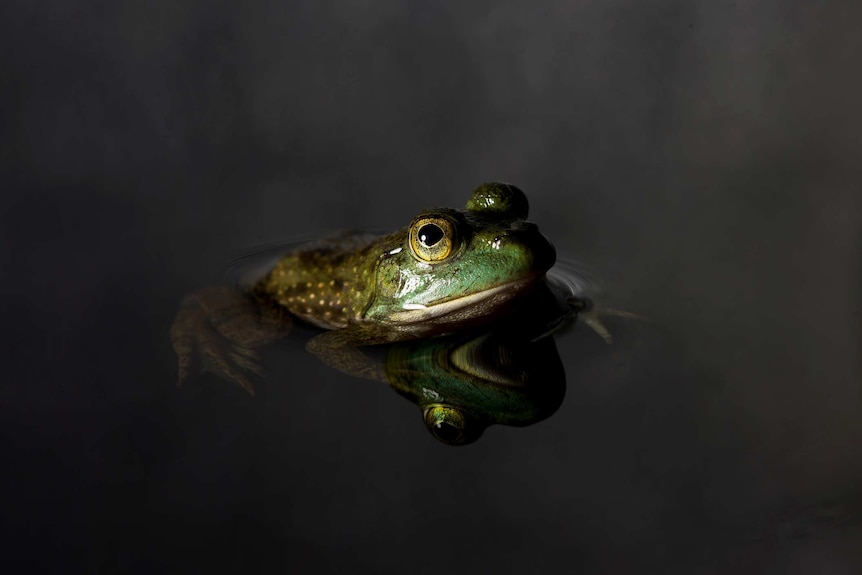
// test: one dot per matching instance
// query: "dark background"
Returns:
(701, 158)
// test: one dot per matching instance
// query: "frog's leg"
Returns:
(217, 329)
(594, 321)
(339, 349)
(593, 318)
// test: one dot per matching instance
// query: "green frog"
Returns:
(446, 271)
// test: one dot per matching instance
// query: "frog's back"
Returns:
(328, 282)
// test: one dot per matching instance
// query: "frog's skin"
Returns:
(448, 270)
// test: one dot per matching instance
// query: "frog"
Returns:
(446, 271)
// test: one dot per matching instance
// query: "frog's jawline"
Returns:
(485, 300)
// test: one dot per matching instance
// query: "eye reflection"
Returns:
(446, 424)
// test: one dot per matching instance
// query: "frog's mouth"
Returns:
(468, 307)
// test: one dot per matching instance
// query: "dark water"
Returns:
(701, 159)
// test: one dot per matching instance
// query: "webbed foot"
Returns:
(217, 330)
(202, 348)
(592, 314)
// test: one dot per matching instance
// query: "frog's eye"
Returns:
(432, 239)
(446, 424)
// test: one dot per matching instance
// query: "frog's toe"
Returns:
(185, 368)
(595, 322)
(593, 318)
(186, 363)
(243, 381)
(239, 377)
(246, 352)
(247, 361)
(227, 367)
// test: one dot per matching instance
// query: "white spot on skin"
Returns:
(395, 251)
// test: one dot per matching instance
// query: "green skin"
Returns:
(370, 290)
(463, 383)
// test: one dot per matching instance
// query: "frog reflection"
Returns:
(464, 383)
(508, 372)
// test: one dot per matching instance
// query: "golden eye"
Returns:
(432, 239)
(446, 424)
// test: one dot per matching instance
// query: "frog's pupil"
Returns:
(430, 234)
(446, 431)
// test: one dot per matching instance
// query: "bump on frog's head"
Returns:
(500, 200)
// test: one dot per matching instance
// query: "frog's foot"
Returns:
(594, 321)
(216, 330)
(592, 316)
(201, 348)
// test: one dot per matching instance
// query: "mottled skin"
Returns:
(447, 270)
(325, 283)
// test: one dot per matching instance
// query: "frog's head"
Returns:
(453, 267)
